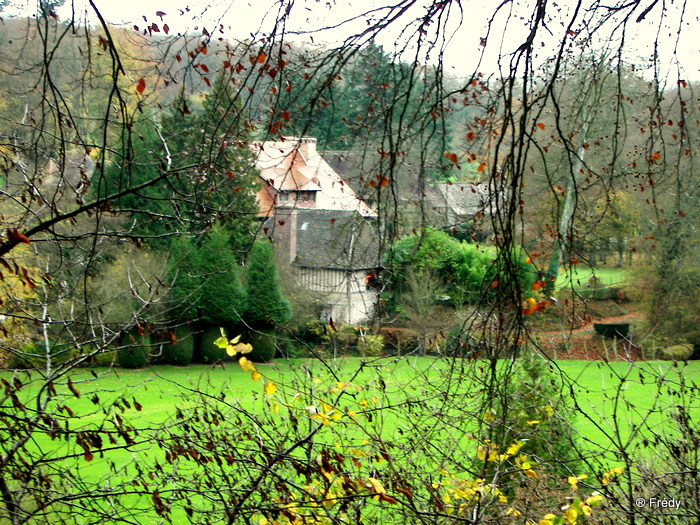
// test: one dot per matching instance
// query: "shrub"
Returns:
(533, 393)
(134, 351)
(371, 345)
(180, 350)
(264, 346)
(204, 348)
(681, 352)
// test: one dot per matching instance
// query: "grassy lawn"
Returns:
(158, 390)
(578, 276)
(633, 391)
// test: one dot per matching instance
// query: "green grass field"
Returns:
(598, 388)
(579, 276)
(641, 396)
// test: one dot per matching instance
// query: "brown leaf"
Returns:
(72, 388)
(141, 86)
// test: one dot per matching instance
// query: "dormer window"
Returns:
(283, 196)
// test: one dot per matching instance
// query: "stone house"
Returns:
(321, 229)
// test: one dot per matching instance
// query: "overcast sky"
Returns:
(463, 49)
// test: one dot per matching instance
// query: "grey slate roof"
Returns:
(336, 240)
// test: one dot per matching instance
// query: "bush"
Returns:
(134, 351)
(371, 345)
(32, 356)
(677, 352)
(205, 350)
(264, 346)
(182, 350)
(533, 393)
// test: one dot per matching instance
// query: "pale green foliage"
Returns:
(130, 286)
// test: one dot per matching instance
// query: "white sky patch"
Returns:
(460, 47)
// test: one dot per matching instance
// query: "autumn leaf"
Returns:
(270, 388)
(261, 58)
(481, 167)
(246, 364)
(537, 285)
(655, 156)
(255, 375)
(141, 86)
(240, 348)
(72, 388)
(541, 126)
(376, 486)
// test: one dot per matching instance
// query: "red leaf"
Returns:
(166, 29)
(206, 81)
(178, 58)
(494, 284)
(204, 68)
(261, 58)
(471, 136)
(285, 116)
(141, 86)
(541, 126)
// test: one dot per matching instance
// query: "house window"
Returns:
(283, 196)
(309, 196)
(371, 281)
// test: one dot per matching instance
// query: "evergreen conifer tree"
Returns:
(266, 304)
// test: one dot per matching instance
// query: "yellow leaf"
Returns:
(270, 388)
(376, 486)
(533, 422)
(256, 375)
(242, 348)
(275, 408)
(221, 342)
(571, 515)
(246, 364)
(531, 473)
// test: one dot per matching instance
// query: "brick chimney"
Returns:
(307, 147)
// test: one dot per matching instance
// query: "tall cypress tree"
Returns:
(266, 304)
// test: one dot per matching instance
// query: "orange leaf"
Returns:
(481, 167)
(261, 58)
(494, 284)
(537, 285)
(471, 136)
(528, 260)
(541, 126)
(656, 156)
(141, 86)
